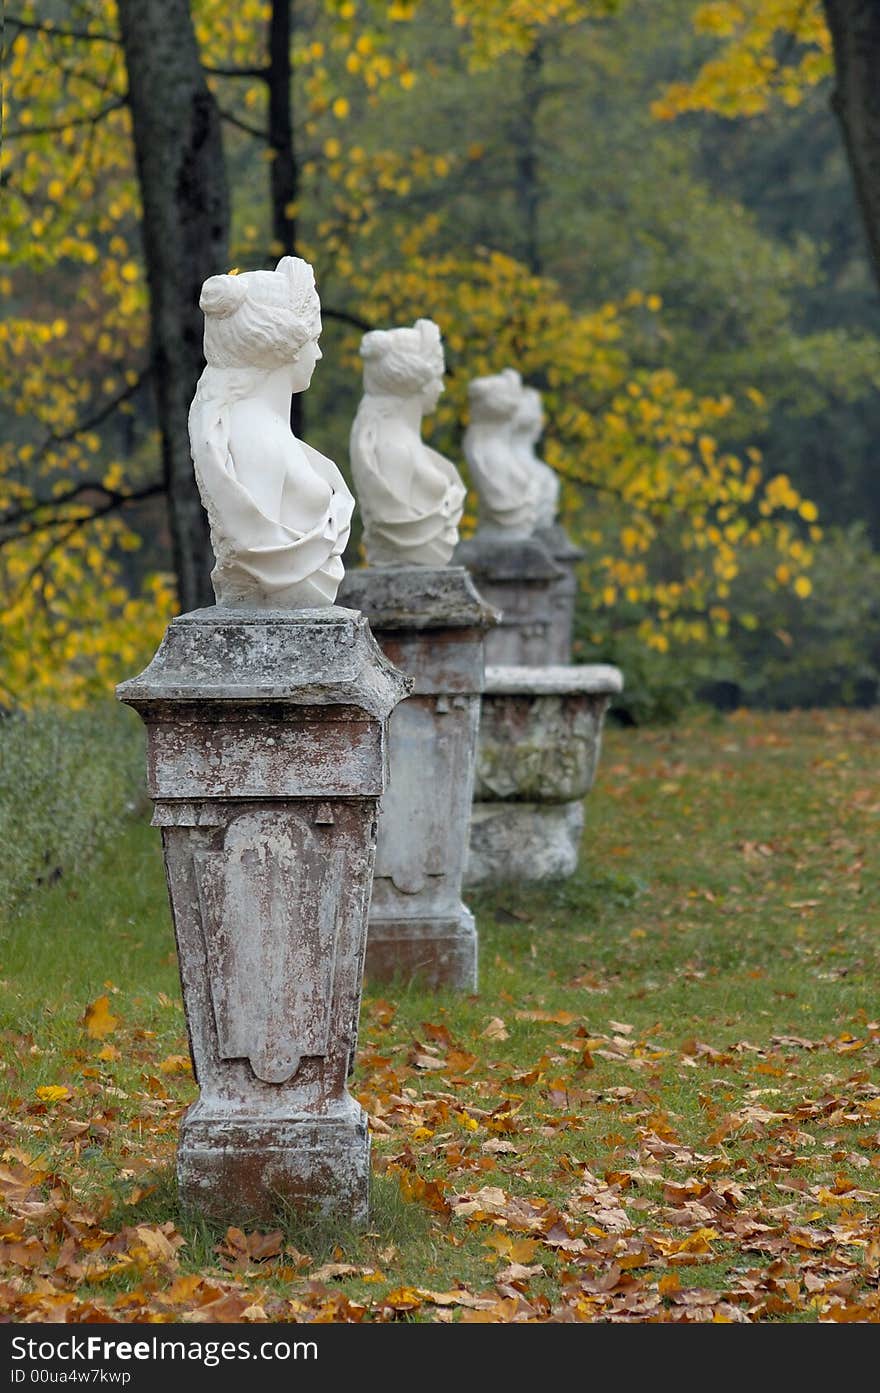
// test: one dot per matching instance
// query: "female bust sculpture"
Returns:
(528, 424)
(506, 483)
(279, 511)
(411, 498)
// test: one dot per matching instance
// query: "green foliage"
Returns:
(66, 777)
(824, 651)
(658, 687)
(818, 651)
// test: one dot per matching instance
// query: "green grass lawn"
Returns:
(662, 1104)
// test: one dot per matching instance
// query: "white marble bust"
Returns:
(528, 425)
(411, 498)
(280, 512)
(505, 480)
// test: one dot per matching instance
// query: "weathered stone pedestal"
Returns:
(519, 577)
(563, 592)
(432, 624)
(540, 737)
(266, 762)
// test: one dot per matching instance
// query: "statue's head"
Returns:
(495, 398)
(530, 413)
(405, 362)
(262, 319)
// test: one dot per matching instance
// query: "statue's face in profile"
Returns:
(530, 418)
(535, 424)
(304, 365)
(432, 392)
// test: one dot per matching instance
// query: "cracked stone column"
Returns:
(267, 753)
(432, 624)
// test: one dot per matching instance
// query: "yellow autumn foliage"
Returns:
(663, 511)
(644, 478)
(769, 51)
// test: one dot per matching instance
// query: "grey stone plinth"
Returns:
(267, 753)
(563, 594)
(513, 842)
(519, 577)
(540, 731)
(539, 743)
(432, 625)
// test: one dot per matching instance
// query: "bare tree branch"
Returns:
(242, 125)
(62, 437)
(114, 501)
(117, 497)
(344, 317)
(91, 119)
(55, 32)
(261, 72)
(82, 75)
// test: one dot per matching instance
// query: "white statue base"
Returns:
(266, 762)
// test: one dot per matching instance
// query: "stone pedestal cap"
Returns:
(559, 544)
(308, 657)
(418, 597)
(491, 555)
(589, 679)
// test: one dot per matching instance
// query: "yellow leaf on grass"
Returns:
(53, 1093)
(98, 1019)
(404, 1298)
(514, 1249)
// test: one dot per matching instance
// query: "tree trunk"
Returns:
(185, 225)
(855, 34)
(284, 173)
(284, 176)
(524, 134)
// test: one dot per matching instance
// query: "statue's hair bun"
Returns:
(375, 343)
(222, 295)
(496, 396)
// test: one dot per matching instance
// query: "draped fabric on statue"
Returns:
(527, 428)
(411, 519)
(294, 568)
(547, 485)
(506, 484)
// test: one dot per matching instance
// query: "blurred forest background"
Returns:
(645, 207)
